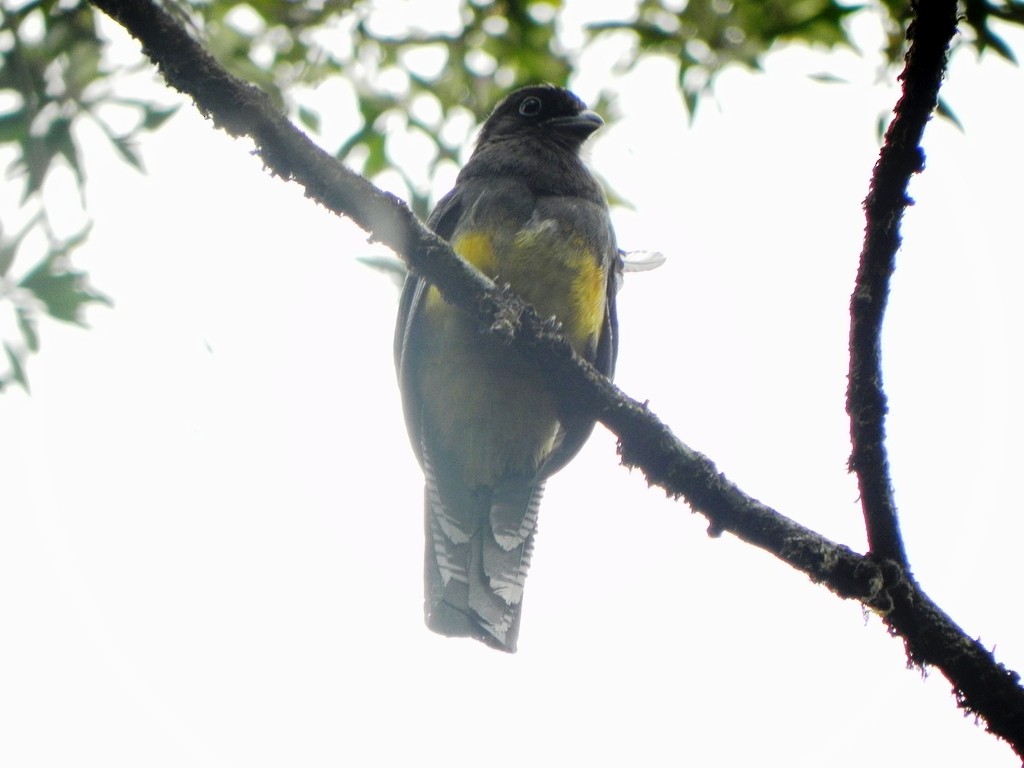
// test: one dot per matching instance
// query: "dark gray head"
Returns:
(541, 113)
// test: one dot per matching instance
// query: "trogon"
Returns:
(527, 212)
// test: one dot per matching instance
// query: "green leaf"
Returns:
(376, 160)
(17, 369)
(153, 115)
(83, 67)
(310, 118)
(59, 141)
(990, 39)
(9, 248)
(27, 326)
(945, 111)
(62, 290)
(828, 78)
(7, 253)
(882, 125)
(14, 127)
(34, 162)
(125, 146)
(392, 268)
(156, 116)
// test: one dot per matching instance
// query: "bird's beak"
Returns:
(583, 124)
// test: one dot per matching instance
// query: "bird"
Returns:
(527, 212)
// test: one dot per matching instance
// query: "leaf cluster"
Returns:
(704, 37)
(52, 287)
(52, 76)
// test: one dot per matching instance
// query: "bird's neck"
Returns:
(547, 169)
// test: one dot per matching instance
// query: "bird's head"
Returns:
(544, 113)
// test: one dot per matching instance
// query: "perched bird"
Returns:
(526, 211)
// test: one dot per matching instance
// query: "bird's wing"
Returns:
(576, 431)
(443, 220)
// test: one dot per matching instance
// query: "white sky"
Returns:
(211, 547)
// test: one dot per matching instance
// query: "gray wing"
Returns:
(443, 221)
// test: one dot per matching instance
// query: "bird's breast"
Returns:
(547, 263)
(482, 403)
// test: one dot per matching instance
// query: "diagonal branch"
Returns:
(901, 156)
(982, 685)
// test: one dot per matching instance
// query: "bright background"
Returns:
(211, 542)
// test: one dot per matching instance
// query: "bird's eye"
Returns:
(530, 106)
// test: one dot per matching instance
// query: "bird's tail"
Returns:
(478, 548)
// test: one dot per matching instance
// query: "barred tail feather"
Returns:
(474, 588)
